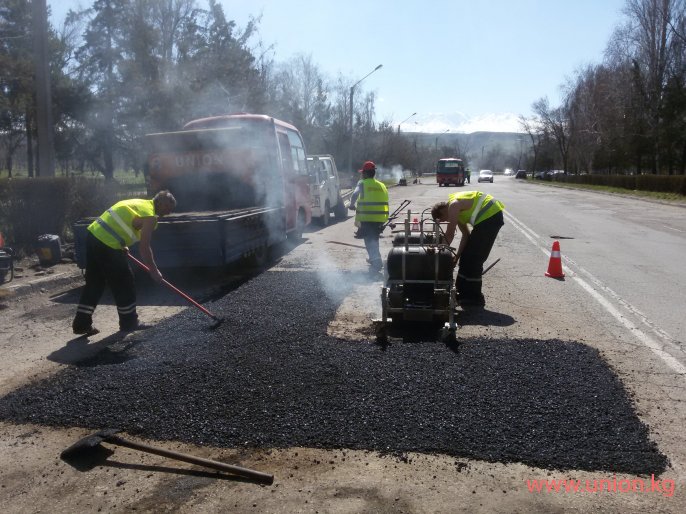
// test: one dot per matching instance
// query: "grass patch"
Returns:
(671, 197)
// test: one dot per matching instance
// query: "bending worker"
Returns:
(485, 215)
(371, 212)
(107, 244)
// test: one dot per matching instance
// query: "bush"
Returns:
(655, 183)
(30, 207)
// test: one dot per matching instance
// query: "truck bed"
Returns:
(203, 238)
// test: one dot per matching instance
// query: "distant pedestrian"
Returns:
(107, 243)
(485, 215)
(468, 174)
(371, 213)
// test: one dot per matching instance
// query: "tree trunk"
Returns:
(29, 143)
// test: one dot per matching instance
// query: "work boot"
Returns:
(89, 331)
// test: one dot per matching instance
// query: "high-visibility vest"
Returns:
(115, 226)
(372, 203)
(483, 207)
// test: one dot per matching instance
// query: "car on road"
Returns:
(520, 174)
(508, 172)
(486, 176)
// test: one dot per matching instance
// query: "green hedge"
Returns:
(30, 207)
(655, 183)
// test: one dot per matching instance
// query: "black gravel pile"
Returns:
(271, 377)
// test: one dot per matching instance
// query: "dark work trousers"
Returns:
(471, 266)
(106, 267)
(370, 232)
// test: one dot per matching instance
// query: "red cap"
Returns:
(368, 166)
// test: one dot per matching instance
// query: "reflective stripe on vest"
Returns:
(477, 209)
(114, 227)
(483, 207)
(111, 232)
(373, 202)
(128, 230)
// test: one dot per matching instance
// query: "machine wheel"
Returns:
(260, 257)
(448, 335)
(326, 216)
(340, 211)
(382, 335)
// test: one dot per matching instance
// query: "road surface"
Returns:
(579, 379)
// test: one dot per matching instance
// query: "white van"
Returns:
(325, 189)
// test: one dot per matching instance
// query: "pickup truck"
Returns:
(241, 183)
(325, 189)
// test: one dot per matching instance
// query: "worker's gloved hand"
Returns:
(156, 275)
(351, 207)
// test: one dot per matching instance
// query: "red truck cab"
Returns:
(450, 171)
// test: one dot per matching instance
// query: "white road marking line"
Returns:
(644, 338)
(641, 336)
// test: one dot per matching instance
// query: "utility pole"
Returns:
(46, 150)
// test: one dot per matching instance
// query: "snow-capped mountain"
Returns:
(437, 123)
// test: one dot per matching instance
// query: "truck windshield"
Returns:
(449, 167)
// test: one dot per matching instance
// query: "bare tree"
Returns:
(533, 127)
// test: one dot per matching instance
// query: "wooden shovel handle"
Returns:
(258, 476)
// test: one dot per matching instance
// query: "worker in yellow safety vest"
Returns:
(107, 243)
(485, 216)
(371, 213)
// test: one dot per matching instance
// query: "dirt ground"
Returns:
(37, 342)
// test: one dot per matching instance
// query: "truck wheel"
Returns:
(340, 211)
(260, 257)
(325, 218)
(296, 235)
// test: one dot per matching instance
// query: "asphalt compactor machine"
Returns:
(420, 286)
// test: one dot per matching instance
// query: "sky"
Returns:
(461, 65)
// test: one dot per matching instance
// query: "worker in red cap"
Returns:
(371, 197)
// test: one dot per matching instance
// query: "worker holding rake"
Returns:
(107, 245)
(485, 215)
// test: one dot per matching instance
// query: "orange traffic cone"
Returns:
(415, 225)
(555, 264)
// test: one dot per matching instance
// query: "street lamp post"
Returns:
(405, 121)
(441, 135)
(352, 89)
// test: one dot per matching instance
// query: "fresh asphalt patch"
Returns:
(271, 377)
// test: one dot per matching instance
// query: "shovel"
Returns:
(89, 444)
(218, 321)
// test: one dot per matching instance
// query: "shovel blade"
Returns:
(86, 445)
